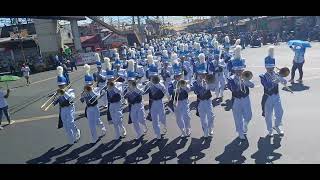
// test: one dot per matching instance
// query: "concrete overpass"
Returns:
(47, 31)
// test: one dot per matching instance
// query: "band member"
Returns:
(117, 67)
(156, 91)
(179, 90)
(226, 44)
(90, 95)
(202, 90)
(186, 68)
(151, 65)
(114, 91)
(136, 107)
(271, 100)
(239, 87)
(66, 108)
(166, 72)
(100, 78)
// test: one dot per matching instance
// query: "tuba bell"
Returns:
(247, 75)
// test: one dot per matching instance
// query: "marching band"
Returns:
(168, 69)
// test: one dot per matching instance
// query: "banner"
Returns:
(87, 58)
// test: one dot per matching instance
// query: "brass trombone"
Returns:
(45, 106)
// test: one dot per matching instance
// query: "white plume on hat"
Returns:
(149, 52)
(215, 36)
(152, 49)
(175, 48)
(175, 61)
(174, 56)
(150, 59)
(87, 68)
(271, 51)
(135, 45)
(97, 56)
(107, 63)
(226, 39)
(181, 46)
(165, 53)
(59, 70)
(216, 44)
(238, 42)
(202, 58)
(130, 65)
(186, 47)
(198, 47)
(237, 52)
(117, 55)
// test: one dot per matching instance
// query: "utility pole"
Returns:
(118, 22)
(133, 22)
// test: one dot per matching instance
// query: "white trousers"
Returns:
(206, 114)
(67, 117)
(241, 110)
(157, 115)
(221, 82)
(94, 120)
(273, 103)
(137, 116)
(116, 116)
(182, 112)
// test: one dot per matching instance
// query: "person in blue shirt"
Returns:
(298, 62)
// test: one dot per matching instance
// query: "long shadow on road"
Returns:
(265, 153)
(47, 157)
(233, 152)
(74, 154)
(120, 152)
(97, 153)
(169, 151)
(193, 153)
(142, 152)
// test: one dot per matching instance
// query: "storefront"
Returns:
(15, 52)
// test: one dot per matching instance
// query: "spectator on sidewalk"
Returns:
(26, 72)
(12, 68)
(73, 62)
(4, 106)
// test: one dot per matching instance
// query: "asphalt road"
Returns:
(34, 137)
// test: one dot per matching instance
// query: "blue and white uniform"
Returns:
(115, 106)
(100, 79)
(67, 110)
(204, 97)
(271, 100)
(156, 93)
(241, 107)
(181, 102)
(136, 107)
(92, 111)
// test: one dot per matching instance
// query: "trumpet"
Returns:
(284, 72)
(246, 75)
(45, 106)
(108, 85)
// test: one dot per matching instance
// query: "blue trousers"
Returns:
(5, 111)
